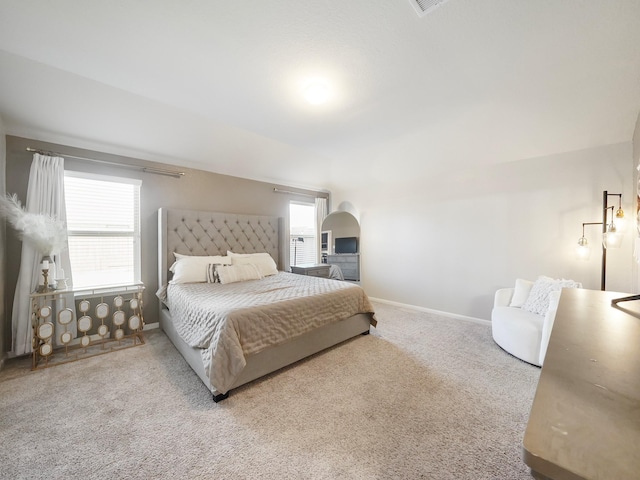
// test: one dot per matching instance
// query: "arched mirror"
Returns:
(340, 243)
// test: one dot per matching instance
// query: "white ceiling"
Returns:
(217, 85)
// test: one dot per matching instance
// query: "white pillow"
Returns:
(237, 273)
(538, 299)
(266, 265)
(193, 268)
(180, 256)
(521, 292)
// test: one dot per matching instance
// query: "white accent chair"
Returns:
(523, 334)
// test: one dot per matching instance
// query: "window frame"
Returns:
(135, 234)
(290, 236)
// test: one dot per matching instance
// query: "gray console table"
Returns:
(349, 263)
(585, 417)
(107, 319)
(321, 270)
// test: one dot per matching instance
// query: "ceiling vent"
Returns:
(423, 7)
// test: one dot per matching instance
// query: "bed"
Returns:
(315, 324)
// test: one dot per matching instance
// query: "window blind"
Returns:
(103, 225)
(303, 243)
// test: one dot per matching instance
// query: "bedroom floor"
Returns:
(421, 397)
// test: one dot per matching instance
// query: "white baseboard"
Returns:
(431, 310)
(151, 326)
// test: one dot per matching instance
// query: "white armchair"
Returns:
(519, 332)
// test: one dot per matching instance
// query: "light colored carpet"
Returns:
(421, 397)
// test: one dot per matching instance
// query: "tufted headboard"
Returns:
(193, 232)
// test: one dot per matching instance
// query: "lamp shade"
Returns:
(583, 252)
(620, 221)
(611, 239)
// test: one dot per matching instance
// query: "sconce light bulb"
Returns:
(620, 213)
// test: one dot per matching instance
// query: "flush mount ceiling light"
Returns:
(422, 7)
(317, 92)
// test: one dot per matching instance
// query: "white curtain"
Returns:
(45, 195)
(321, 213)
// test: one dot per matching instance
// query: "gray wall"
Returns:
(636, 142)
(196, 190)
(4, 330)
(448, 242)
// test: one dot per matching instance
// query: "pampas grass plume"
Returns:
(45, 233)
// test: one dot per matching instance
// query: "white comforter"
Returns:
(229, 322)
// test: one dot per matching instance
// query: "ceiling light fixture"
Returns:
(317, 92)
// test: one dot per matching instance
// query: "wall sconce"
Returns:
(611, 234)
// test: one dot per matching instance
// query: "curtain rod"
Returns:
(157, 171)
(277, 190)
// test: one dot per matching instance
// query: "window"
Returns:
(303, 247)
(103, 225)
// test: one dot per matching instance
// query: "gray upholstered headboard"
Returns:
(193, 232)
